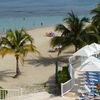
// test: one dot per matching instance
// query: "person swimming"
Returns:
(24, 18)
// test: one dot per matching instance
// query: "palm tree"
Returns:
(85, 19)
(96, 17)
(75, 33)
(93, 30)
(19, 43)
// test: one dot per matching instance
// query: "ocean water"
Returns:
(28, 14)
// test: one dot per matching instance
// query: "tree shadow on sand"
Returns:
(45, 61)
(52, 86)
(69, 52)
(5, 74)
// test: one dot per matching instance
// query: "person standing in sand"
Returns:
(41, 23)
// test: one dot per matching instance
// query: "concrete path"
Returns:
(41, 96)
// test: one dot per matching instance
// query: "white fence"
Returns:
(10, 94)
(67, 86)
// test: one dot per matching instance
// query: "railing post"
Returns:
(62, 89)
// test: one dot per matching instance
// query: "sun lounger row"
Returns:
(89, 94)
(92, 73)
(50, 34)
(91, 91)
(55, 49)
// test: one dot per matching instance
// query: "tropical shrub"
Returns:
(63, 76)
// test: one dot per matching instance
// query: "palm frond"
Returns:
(17, 42)
(96, 17)
(30, 48)
(64, 46)
(61, 28)
(5, 50)
(56, 41)
(85, 19)
(96, 10)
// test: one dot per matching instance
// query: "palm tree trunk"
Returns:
(17, 67)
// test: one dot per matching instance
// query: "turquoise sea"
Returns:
(28, 14)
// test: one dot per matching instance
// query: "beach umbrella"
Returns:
(91, 64)
(91, 59)
(96, 47)
(85, 51)
(90, 67)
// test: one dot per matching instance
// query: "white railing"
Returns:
(67, 86)
(9, 94)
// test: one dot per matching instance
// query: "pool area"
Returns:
(91, 86)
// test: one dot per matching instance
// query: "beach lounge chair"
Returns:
(90, 73)
(91, 91)
(90, 83)
(91, 76)
(82, 96)
(56, 48)
(88, 93)
(52, 50)
(50, 34)
(93, 79)
(87, 89)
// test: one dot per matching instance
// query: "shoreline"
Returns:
(29, 22)
(40, 27)
(34, 28)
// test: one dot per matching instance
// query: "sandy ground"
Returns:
(41, 96)
(36, 70)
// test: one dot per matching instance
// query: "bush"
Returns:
(3, 93)
(63, 76)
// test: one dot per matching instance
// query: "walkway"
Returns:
(41, 96)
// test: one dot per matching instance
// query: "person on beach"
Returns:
(41, 23)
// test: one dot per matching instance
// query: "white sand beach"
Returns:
(36, 69)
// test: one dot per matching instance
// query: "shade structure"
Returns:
(91, 64)
(85, 51)
(91, 59)
(96, 47)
